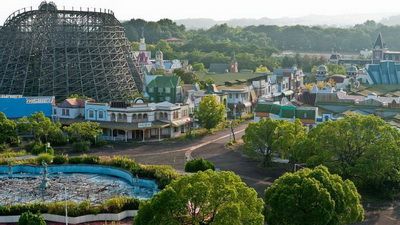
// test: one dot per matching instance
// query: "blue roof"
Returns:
(387, 72)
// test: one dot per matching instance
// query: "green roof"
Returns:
(287, 111)
(165, 81)
(305, 113)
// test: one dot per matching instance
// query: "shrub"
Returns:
(123, 163)
(60, 159)
(162, 173)
(196, 165)
(39, 148)
(57, 138)
(46, 157)
(84, 159)
(118, 204)
(81, 146)
(100, 143)
(4, 147)
(29, 218)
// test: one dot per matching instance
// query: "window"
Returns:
(91, 114)
(65, 112)
(167, 90)
(101, 115)
(151, 90)
(175, 129)
(55, 111)
(167, 98)
(160, 90)
(237, 95)
(230, 95)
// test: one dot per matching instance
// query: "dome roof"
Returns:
(322, 68)
(352, 69)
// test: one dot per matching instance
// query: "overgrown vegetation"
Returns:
(312, 197)
(363, 149)
(113, 205)
(197, 165)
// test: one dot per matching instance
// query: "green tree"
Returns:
(28, 218)
(209, 197)
(312, 196)
(336, 69)
(259, 139)
(187, 77)
(364, 149)
(210, 113)
(287, 135)
(262, 69)
(42, 128)
(8, 130)
(83, 131)
(196, 165)
(198, 67)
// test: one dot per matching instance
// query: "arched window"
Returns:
(124, 117)
(134, 116)
(119, 116)
(166, 116)
(144, 116)
(140, 117)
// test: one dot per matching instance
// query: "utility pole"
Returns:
(66, 205)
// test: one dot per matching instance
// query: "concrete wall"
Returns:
(76, 220)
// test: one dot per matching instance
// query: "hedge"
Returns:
(196, 165)
(112, 205)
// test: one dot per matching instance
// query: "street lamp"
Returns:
(47, 145)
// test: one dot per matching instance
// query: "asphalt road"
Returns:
(212, 148)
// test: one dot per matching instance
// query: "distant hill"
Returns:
(310, 20)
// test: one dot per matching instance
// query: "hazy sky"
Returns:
(217, 9)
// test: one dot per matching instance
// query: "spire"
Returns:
(379, 42)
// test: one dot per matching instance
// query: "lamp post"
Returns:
(66, 204)
(47, 145)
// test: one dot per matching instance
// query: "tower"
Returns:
(378, 49)
(142, 42)
(233, 68)
(159, 60)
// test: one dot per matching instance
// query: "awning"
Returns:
(180, 122)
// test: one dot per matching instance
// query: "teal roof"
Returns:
(387, 72)
(287, 111)
(165, 81)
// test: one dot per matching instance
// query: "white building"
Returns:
(70, 108)
(139, 121)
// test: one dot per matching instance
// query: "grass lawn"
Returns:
(220, 79)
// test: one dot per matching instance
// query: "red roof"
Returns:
(73, 103)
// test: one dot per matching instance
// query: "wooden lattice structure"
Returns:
(53, 52)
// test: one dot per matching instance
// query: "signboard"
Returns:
(144, 125)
